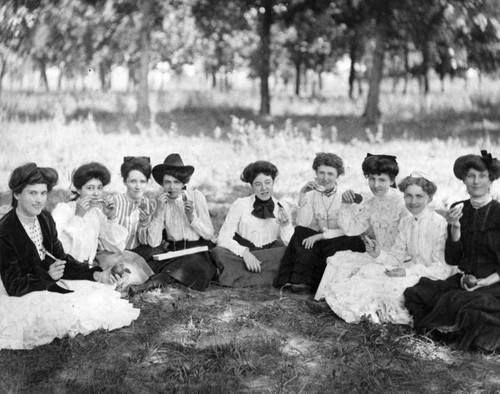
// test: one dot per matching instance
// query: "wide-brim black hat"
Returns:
(171, 162)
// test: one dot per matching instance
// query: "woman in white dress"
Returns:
(377, 217)
(376, 290)
(44, 292)
(252, 239)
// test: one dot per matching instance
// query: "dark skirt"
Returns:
(473, 317)
(193, 270)
(306, 266)
(234, 273)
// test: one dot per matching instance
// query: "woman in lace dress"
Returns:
(318, 234)
(44, 292)
(377, 217)
(418, 251)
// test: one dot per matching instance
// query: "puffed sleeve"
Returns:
(453, 249)
(112, 235)
(145, 234)
(399, 249)
(354, 219)
(202, 223)
(305, 214)
(229, 228)
(286, 231)
(72, 230)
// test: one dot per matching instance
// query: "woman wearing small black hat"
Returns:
(468, 303)
(182, 221)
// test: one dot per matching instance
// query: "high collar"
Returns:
(480, 202)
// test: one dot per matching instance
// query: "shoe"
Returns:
(318, 306)
(155, 281)
(301, 288)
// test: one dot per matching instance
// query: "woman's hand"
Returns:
(56, 269)
(309, 242)
(348, 197)
(484, 282)
(109, 209)
(372, 246)
(283, 218)
(189, 210)
(453, 215)
(252, 262)
(107, 276)
(160, 205)
(82, 206)
(311, 185)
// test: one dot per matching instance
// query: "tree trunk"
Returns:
(265, 22)
(406, 54)
(43, 74)
(297, 76)
(3, 67)
(353, 52)
(104, 75)
(426, 54)
(372, 112)
(213, 72)
(143, 114)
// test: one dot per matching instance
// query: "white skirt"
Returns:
(39, 317)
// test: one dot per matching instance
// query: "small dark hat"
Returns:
(172, 162)
(482, 162)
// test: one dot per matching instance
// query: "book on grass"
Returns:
(178, 253)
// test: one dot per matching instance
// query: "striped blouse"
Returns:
(135, 216)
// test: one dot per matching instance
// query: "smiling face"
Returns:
(326, 176)
(263, 186)
(136, 184)
(416, 200)
(93, 190)
(477, 182)
(172, 186)
(379, 184)
(31, 201)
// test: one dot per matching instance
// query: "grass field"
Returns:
(247, 340)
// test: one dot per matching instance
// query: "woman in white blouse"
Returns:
(318, 233)
(88, 222)
(133, 209)
(252, 239)
(376, 290)
(180, 221)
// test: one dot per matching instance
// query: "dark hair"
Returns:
(427, 186)
(141, 164)
(479, 163)
(181, 174)
(89, 171)
(30, 174)
(252, 170)
(380, 164)
(330, 160)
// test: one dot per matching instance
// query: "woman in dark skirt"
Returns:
(318, 234)
(252, 239)
(468, 303)
(181, 221)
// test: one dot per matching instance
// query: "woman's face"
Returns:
(136, 184)
(477, 182)
(379, 184)
(326, 176)
(416, 200)
(31, 201)
(93, 190)
(172, 186)
(262, 186)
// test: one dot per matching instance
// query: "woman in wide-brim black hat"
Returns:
(181, 221)
(467, 303)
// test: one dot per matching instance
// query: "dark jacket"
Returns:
(21, 269)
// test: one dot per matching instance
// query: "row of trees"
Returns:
(262, 36)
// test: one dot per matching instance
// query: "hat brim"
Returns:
(160, 170)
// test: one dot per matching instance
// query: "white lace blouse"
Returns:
(421, 241)
(380, 214)
(81, 237)
(176, 223)
(258, 231)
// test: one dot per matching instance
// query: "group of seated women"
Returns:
(386, 257)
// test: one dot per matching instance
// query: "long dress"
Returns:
(419, 249)
(242, 231)
(193, 270)
(473, 317)
(379, 216)
(319, 214)
(33, 310)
